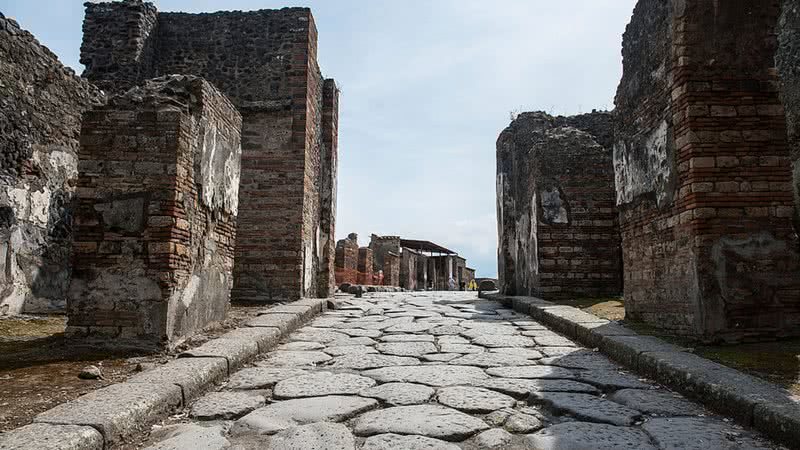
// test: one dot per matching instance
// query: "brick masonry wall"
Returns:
(347, 260)
(41, 103)
(381, 245)
(365, 264)
(157, 200)
(328, 186)
(559, 234)
(703, 172)
(412, 270)
(391, 269)
(788, 63)
(266, 63)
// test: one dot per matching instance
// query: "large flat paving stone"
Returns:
(320, 384)
(589, 436)
(425, 420)
(340, 350)
(315, 436)
(42, 436)
(461, 348)
(190, 436)
(359, 332)
(661, 403)
(400, 394)
(261, 377)
(514, 421)
(117, 411)
(487, 359)
(399, 442)
(227, 405)
(407, 338)
(528, 353)
(406, 348)
(698, 433)
(610, 380)
(295, 359)
(474, 399)
(290, 413)
(587, 407)
(543, 372)
(521, 388)
(321, 335)
(370, 361)
(300, 346)
(432, 375)
(415, 327)
(494, 438)
(493, 341)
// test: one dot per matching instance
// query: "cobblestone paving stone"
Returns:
(444, 371)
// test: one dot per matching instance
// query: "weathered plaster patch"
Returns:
(553, 207)
(644, 168)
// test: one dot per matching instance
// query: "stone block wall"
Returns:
(788, 63)
(365, 264)
(347, 260)
(266, 63)
(391, 269)
(559, 232)
(703, 172)
(157, 200)
(41, 103)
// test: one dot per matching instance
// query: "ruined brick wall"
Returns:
(365, 264)
(788, 62)
(328, 186)
(559, 234)
(347, 260)
(381, 245)
(409, 271)
(391, 269)
(118, 46)
(703, 172)
(41, 103)
(156, 214)
(266, 63)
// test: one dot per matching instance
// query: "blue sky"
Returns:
(427, 86)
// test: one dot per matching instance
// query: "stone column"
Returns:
(156, 214)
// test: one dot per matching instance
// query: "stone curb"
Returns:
(752, 402)
(112, 415)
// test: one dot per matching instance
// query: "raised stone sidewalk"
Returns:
(751, 401)
(115, 415)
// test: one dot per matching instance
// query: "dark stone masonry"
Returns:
(559, 233)
(266, 63)
(788, 63)
(703, 172)
(41, 102)
(157, 200)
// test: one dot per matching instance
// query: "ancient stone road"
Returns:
(442, 371)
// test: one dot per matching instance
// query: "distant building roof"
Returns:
(425, 246)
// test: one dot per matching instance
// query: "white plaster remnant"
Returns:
(645, 168)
